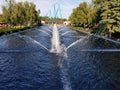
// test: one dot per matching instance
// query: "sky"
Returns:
(45, 5)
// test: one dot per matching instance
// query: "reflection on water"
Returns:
(91, 63)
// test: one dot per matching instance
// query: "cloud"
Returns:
(45, 5)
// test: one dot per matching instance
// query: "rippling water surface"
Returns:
(92, 63)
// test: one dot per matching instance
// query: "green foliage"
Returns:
(1, 19)
(21, 13)
(111, 16)
(13, 29)
(98, 2)
(84, 14)
(105, 13)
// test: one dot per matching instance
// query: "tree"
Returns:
(111, 16)
(83, 14)
(21, 13)
(98, 2)
(7, 10)
(1, 18)
(73, 18)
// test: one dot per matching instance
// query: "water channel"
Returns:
(58, 58)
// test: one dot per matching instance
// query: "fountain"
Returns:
(60, 50)
(66, 33)
(92, 62)
(27, 38)
(56, 46)
(55, 42)
(44, 32)
(74, 43)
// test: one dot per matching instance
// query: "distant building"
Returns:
(50, 22)
(67, 23)
(42, 22)
(1, 15)
(3, 25)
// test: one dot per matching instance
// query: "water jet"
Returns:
(55, 41)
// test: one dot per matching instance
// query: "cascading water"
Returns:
(74, 43)
(27, 38)
(66, 33)
(58, 48)
(55, 42)
(44, 32)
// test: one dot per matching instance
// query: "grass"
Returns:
(97, 32)
(13, 29)
(81, 29)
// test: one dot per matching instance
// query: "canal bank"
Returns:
(88, 31)
(80, 29)
(4, 31)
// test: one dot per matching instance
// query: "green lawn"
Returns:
(12, 30)
(81, 29)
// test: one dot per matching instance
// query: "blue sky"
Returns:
(44, 5)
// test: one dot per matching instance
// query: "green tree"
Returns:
(73, 18)
(83, 14)
(110, 22)
(7, 10)
(98, 2)
(21, 13)
(1, 18)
